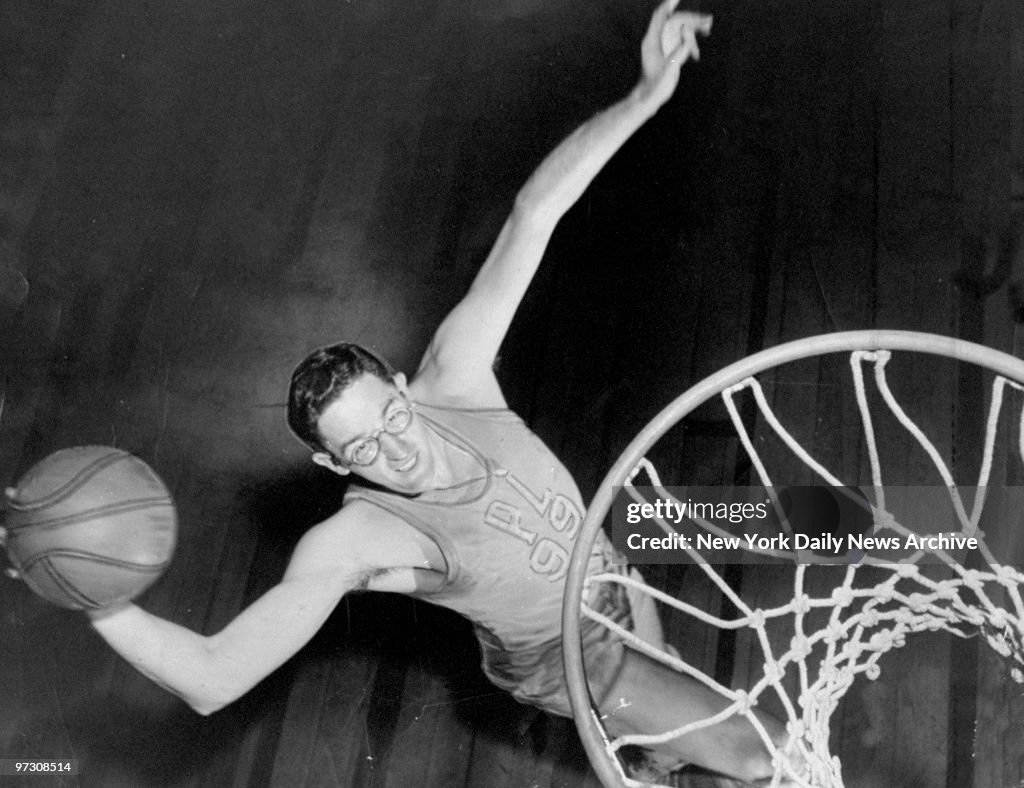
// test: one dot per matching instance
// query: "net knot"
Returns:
(756, 619)
(834, 632)
(773, 671)
(887, 640)
(973, 617)
(744, 702)
(884, 519)
(906, 570)
(869, 618)
(1007, 575)
(905, 616)
(800, 646)
(842, 596)
(872, 671)
(1002, 619)
(779, 761)
(828, 676)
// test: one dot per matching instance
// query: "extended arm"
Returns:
(210, 672)
(460, 358)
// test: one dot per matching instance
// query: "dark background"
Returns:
(195, 194)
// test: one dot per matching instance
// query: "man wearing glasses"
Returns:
(457, 502)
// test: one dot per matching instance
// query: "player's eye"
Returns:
(398, 420)
(364, 453)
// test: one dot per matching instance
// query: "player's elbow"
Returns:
(208, 700)
(216, 681)
(204, 707)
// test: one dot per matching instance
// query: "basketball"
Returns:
(89, 527)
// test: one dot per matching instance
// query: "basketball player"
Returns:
(457, 501)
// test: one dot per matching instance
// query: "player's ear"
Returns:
(326, 460)
(401, 383)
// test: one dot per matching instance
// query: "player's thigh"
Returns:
(648, 697)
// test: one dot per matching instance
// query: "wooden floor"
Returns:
(195, 194)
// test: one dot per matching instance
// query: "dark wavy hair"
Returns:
(321, 378)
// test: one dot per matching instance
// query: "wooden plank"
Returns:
(322, 736)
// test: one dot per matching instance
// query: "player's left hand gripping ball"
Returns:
(90, 527)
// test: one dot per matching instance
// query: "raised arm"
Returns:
(208, 672)
(461, 355)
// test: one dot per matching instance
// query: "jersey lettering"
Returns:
(565, 516)
(540, 505)
(508, 519)
(548, 557)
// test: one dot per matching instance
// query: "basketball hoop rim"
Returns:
(844, 341)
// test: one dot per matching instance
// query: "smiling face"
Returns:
(404, 463)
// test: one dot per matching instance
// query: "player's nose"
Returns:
(393, 446)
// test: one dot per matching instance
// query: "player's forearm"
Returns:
(172, 656)
(568, 170)
(210, 672)
(470, 336)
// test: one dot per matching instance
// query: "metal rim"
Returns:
(846, 341)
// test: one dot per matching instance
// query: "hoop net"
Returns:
(816, 664)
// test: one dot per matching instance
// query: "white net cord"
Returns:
(863, 622)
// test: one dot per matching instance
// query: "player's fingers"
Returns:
(689, 43)
(12, 573)
(678, 57)
(658, 19)
(698, 22)
(679, 36)
(686, 50)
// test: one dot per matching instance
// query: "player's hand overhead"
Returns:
(670, 41)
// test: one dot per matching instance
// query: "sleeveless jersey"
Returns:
(506, 538)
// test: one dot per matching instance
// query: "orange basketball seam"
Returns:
(67, 587)
(90, 526)
(94, 557)
(99, 511)
(76, 481)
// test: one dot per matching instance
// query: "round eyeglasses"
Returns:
(366, 451)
